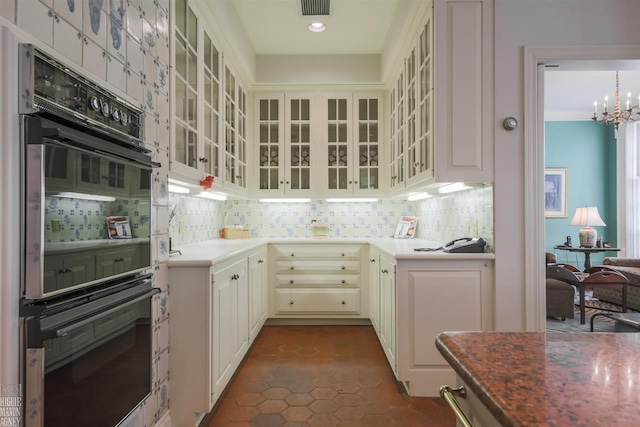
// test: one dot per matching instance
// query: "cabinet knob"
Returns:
(355, 182)
(237, 176)
(291, 268)
(61, 271)
(203, 159)
(343, 267)
(287, 182)
(260, 261)
(281, 182)
(291, 282)
(385, 271)
(344, 281)
(372, 260)
(350, 182)
(343, 302)
(342, 253)
(416, 164)
(291, 253)
(291, 302)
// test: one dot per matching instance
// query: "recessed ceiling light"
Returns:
(317, 27)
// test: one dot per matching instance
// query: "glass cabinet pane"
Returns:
(338, 144)
(299, 142)
(269, 143)
(368, 144)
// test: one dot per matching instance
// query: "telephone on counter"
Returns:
(464, 245)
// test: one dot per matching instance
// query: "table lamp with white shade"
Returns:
(587, 216)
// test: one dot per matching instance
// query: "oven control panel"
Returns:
(50, 85)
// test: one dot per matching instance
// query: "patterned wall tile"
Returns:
(440, 218)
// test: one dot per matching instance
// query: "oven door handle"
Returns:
(75, 325)
(39, 130)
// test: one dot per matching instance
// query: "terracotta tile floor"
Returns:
(321, 376)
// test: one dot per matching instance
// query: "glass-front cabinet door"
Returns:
(367, 144)
(298, 137)
(270, 139)
(284, 139)
(210, 158)
(184, 156)
(235, 131)
(338, 142)
(397, 130)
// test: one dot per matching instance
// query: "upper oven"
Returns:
(87, 181)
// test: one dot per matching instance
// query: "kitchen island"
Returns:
(547, 379)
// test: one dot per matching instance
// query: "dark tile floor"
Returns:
(321, 376)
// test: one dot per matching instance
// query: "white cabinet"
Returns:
(229, 322)
(318, 280)
(258, 288)
(464, 120)
(374, 288)
(388, 328)
(411, 115)
(214, 312)
(285, 132)
(326, 143)
(436, 296)
(351, 141)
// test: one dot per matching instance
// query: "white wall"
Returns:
(318, 69)
(520, 23)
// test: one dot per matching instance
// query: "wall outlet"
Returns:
(55, 225)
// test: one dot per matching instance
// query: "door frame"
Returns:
(534, 241)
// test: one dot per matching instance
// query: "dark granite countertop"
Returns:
(550, 379)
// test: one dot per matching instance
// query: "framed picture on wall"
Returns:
(555, 193)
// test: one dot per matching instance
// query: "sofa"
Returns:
(630, 268)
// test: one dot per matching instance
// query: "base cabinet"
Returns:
(473, 409)
(388, 313)
(215, 313)
(318, 280)
(437, 296)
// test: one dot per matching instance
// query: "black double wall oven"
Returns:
(86, 286)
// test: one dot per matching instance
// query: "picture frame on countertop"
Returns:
(555, 192)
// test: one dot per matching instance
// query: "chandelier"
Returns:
(619, 115)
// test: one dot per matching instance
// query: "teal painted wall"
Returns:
(588, 151)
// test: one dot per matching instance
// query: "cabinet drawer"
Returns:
(338, 266)
(318, 300)
(318, 280)
(317, 251)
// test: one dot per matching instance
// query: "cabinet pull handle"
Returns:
(61, 271)
(260, 261)
(291, 268)
(416, 164)
(343, 267)
(449, 394)
(343, 282)
(385, 271)
(343, 303)
(291, 282)
(291, 302)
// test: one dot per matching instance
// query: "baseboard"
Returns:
(316, 322)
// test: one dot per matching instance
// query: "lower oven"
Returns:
(88, 355)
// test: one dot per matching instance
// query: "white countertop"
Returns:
(210, 252)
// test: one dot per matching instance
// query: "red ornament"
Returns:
(207, 182)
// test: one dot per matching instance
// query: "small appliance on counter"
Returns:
(464, 245)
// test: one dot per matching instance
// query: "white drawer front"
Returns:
(318, 280)
(339, 266)
(317, 251)
(318, 300)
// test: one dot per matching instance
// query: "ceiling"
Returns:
(353, 27)
(276, 27)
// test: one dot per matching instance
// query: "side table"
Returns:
(587, 252)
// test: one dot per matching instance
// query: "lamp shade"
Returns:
(587, 216)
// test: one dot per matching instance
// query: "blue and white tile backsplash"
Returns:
(440, 219)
